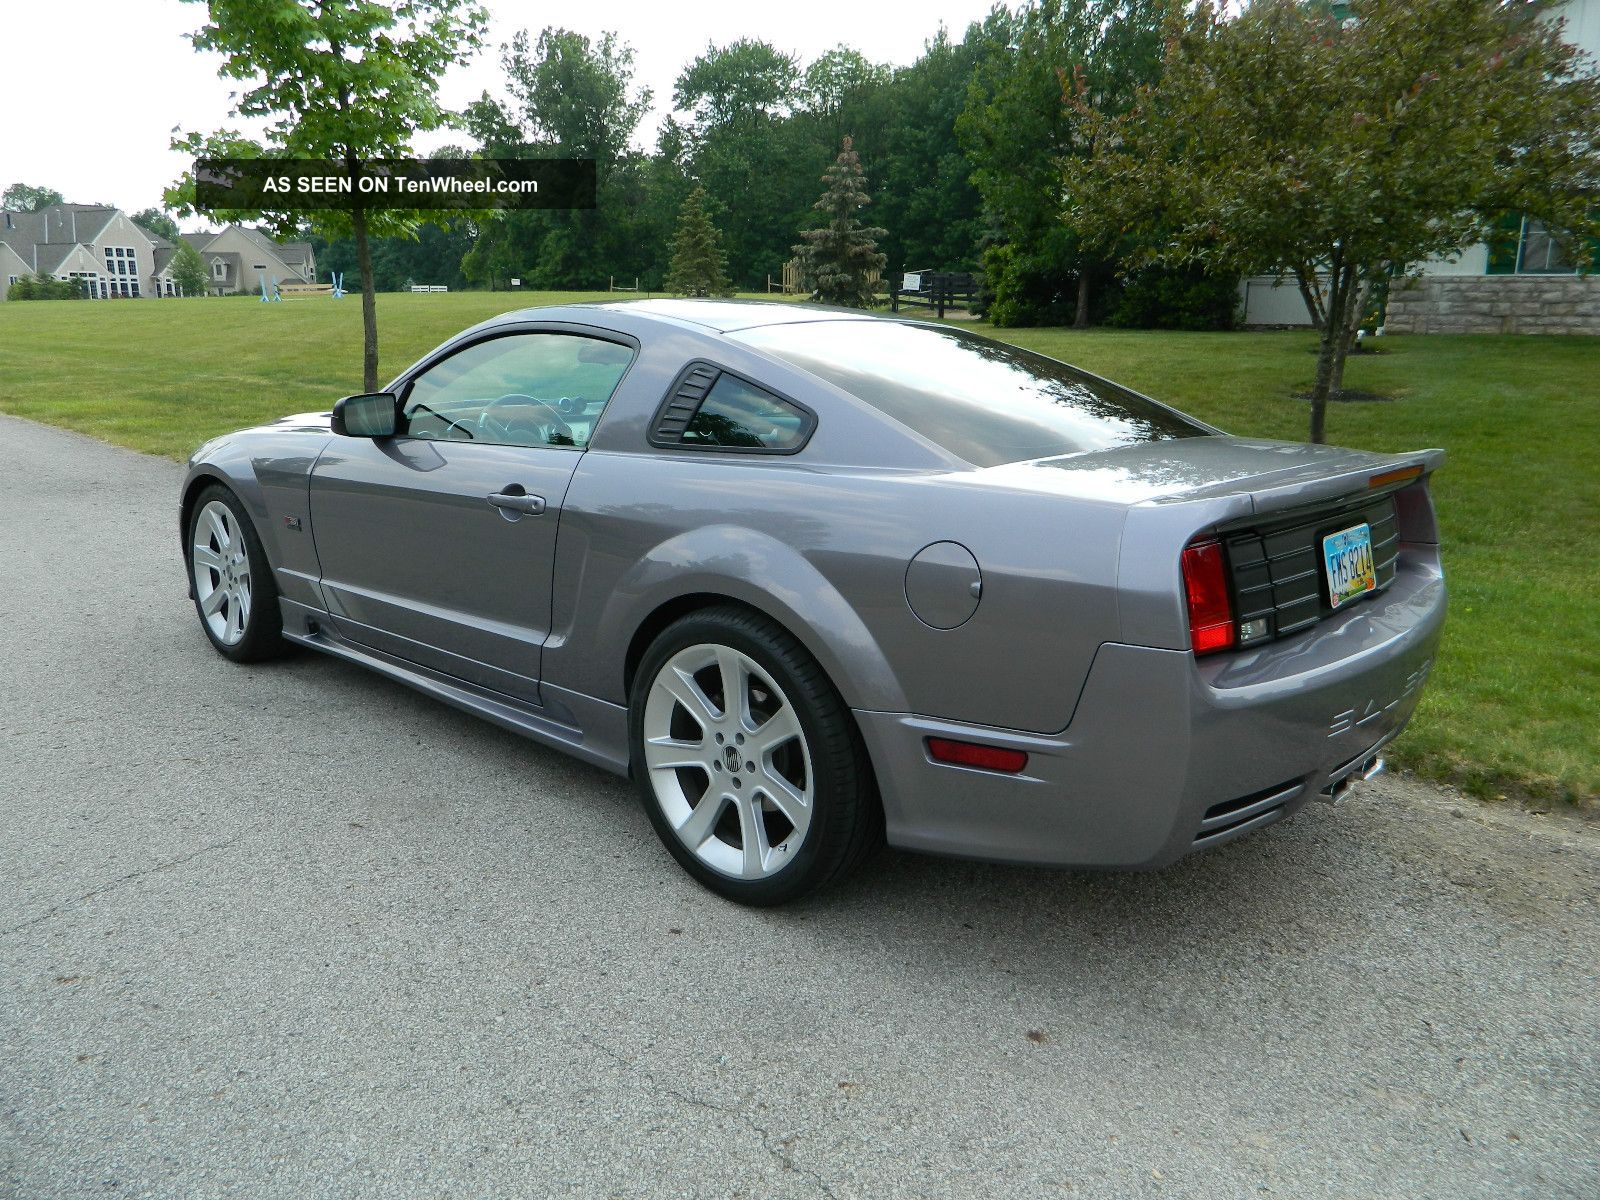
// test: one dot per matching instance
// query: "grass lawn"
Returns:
(1514, 700)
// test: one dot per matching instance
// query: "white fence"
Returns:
(428, 287)
(1273, 300)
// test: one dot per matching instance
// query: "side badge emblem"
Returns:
(292, 522)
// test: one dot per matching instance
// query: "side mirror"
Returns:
(372, 415)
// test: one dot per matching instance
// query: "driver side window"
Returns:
(523, 389)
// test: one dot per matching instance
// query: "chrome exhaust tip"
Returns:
(1359, 772)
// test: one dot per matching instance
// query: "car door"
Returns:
(437, 545)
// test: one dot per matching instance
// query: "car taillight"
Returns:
(1205, 586)
(973, 754)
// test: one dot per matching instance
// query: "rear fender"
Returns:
(765, 574)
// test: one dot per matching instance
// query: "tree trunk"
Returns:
(1330, 354)
(1307, 281)
(369, 303)
(1321, 389)
(1355, 306)
(1080, 319)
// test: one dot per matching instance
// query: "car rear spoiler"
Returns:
(1299, 488)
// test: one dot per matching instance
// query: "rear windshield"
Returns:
(985, 401)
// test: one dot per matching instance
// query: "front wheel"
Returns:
(234, 592)
(749, 763)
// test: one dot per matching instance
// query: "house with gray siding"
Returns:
(238, 258)
(116, 259)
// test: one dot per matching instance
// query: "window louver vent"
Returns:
(686, 398)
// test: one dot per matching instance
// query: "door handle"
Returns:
(517, 502)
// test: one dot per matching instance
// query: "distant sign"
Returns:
(516, 283)
(913, 283)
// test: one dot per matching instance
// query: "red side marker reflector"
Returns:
(1205, 586)
(1395, 476)
(971, 754)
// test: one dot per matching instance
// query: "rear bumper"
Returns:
(1166, 754)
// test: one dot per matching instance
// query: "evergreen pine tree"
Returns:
(837, 258)
(699, 266)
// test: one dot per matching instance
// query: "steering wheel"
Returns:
(549, 427)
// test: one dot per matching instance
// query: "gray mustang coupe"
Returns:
(816, 579)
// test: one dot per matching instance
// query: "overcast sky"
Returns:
(95, 124)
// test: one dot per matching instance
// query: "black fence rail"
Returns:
(936, 290)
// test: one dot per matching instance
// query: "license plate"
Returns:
(1347, 556)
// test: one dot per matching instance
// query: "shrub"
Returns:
(1174, 298)
(43, 287)
(1022, 289)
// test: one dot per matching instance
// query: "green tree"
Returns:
(663, 187)
(837, 85)
(573, 96)
(430, 254)
(837, 258)
(1340, 147)
(348, 81)
(1019, 130)
(699, 267)
(19, 197)
(153, 220)
(923, 191)
(740, 84)
(742, 145)
(188, 269)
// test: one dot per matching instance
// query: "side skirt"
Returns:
(595, 731)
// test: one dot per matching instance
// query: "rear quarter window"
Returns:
(981, 400)
(713, 409)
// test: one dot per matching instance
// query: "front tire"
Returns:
(748, 761)
(234, 592)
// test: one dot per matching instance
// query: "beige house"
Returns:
(116, 259)
(92, 242)
(12, 268)
(238, 259)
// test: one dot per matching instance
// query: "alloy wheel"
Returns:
(220, 563)
(728, 761)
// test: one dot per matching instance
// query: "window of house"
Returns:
(219, 269)
(1524, 246)
(120, 260)
(1541, 254)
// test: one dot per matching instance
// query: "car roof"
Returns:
(720, 316)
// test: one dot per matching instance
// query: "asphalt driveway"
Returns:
(294, 931)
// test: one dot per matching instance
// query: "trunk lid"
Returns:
(1258, 475)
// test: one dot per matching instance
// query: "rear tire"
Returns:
(235, 594)
(749, 763)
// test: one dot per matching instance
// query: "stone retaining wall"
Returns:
(1495, 304)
